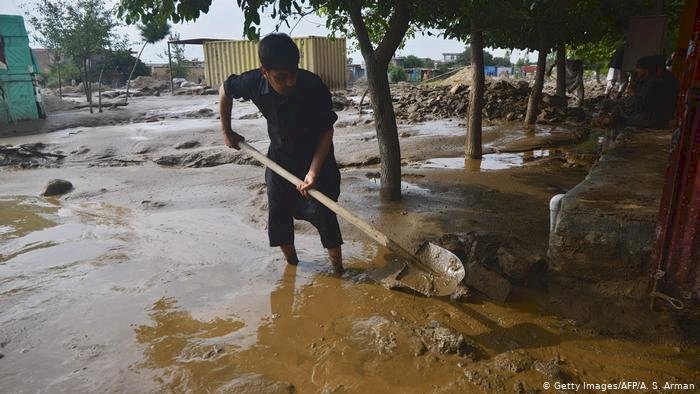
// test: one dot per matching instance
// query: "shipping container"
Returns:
(323, 56)
(19, 98)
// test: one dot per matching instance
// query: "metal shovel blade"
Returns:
(438, 274)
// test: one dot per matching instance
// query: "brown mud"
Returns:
(154, 273)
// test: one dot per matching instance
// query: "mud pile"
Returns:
(504, 100)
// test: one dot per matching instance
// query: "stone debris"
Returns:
(57, 187)
(487, 282)
(504, 100)
(444, 340)
(29, 156)
(187, 144)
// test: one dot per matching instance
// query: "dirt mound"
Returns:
(504, 100)
(149, 83)
(463, 76)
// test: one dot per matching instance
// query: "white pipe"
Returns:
(554, 207)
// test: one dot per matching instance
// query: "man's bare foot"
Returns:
(335, 255)
(290, 254)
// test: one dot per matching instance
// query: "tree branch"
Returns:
(360, 29)
(398, 25)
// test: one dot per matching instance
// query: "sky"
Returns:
(225, 20)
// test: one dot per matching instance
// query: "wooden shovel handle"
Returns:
(367, 228)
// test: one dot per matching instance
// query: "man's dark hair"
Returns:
(277, 51)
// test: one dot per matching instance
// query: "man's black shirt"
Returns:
(294, 122)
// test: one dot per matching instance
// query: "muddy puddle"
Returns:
(95, 297)
(489, 162)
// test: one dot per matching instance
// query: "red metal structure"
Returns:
(676, 264)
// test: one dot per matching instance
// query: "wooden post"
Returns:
(170, 65)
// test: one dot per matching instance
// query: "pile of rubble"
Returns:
(504, 100)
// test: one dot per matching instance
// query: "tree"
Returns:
(378, 26)
(79, 30)
(178, 62)
(151, 32)
(120, 62)
(475, 17)
(412, 62)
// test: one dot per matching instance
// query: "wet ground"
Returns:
(154, 273)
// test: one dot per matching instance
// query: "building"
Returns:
(20, 97)
(195, 70)
(449, 57)
(354, 72)
(323, 56)
(44, 58)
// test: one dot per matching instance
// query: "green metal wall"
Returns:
(17, 93)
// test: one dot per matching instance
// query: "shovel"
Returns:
(433, 271)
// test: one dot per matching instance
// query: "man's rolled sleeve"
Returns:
(239, 86)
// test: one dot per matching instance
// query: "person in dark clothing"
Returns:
(300, 118)
(654, 94)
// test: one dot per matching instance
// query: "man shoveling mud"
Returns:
(298, 109)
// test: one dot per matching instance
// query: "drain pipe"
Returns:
(554, 207)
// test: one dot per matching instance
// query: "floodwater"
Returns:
(149, 278)
(96, 297)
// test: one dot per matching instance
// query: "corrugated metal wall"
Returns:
(323, 56)
(18, 99)
(676, 263)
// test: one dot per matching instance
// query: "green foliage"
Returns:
(179, 62)
(154, 31)
(119, 62)
(67, 71)
(412, 62)
(397, 74)
(465, 58)
(76, 29)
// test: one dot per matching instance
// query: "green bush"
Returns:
(396, 74)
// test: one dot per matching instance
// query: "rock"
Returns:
(458, 88)
(487, 282)
(513, 362)
(550, 369)
(56, 187)
(460, 294)
(254, 115)
(156, 93)
(555, 101)
(405, 134)
(188, 84)
(187, 144)
(444, 340)
(209, 91)
(453, 243)
(256, 383)
(518, 268)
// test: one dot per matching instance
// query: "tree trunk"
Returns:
(131, 74)
(561, 70)
(387, 133)
(476, 97)
(99, 89)
(533, 104)
(86, 85)
(377, 62)
(60, 89)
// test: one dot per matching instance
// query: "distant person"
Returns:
(574, 79)
(616, 77)
(300, 118)
(654, 94)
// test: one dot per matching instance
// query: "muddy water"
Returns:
(96, 297)
(152, 279)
